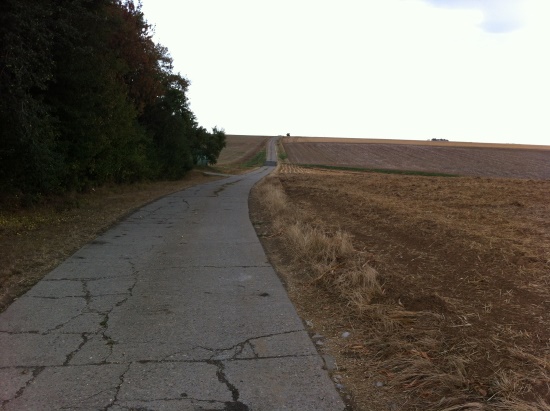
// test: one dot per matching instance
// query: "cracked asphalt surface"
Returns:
(175, 308)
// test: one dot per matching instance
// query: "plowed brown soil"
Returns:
(467, 160)
(465, 268)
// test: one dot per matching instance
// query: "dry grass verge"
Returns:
(324, 257)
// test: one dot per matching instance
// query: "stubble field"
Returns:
(458, 318)
(239, 149)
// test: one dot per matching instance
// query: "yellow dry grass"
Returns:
(325, 256)
(239, 149)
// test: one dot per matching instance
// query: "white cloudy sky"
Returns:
(465, 70)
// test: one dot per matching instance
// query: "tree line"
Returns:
(87, 97)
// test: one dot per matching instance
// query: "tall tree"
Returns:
(144, 62)
(88, 97)
(28, 160)
(99, 134)
(207, 146)
(170, 124)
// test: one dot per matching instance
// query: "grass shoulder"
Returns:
(281, 152)
(257, 161)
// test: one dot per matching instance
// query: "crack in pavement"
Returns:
(105, 323)
(179, 267)
(186, 203)
(167, 361)
(107, 277)
(117, 392)
(227, 266)
(60, 326)
(173, 400)
(223, 187)
(110, 342)
(87, 294)
(35, 373)
(42, 297)
(74, 407)
(21, 332)
(239, 347)
(235, 405)
(88, 299)
(70, 356)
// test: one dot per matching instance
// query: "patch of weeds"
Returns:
(281, 151)
(257, 161)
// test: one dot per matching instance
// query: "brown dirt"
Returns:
(473, 160)
(465, 266)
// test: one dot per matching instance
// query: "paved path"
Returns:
(271, 152)
(175, 308)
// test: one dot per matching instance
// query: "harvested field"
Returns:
(285, 168)
(462, 319)
(239, 149)
(468, 160)
(412, 142)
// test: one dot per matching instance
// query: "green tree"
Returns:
(28, 161)
(169, 123)
(87, 97)
(100, 137)
(208, 146)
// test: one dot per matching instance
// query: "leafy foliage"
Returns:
(87, 98)
(27, 133)
(208, 146)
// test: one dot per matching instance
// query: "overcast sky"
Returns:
(464, 70)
